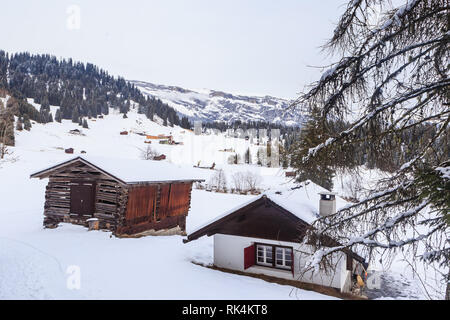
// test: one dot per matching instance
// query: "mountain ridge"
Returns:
(210, 105)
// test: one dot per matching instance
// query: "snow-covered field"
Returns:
(38, 263)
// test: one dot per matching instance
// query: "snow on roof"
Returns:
(226, 213)
(302, 201)
(136, 171)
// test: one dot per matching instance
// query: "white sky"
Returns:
(240, 46)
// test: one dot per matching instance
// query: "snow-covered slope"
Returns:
(211, 105)
(37, 264)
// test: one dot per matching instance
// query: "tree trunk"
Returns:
(447, 291)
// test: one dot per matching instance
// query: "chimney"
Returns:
(327, 205)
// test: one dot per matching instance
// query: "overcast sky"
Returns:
(240, 46)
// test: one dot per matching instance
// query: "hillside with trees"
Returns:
(81, 90)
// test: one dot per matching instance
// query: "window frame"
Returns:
(283, 265)
(274, 264)
(265, 256)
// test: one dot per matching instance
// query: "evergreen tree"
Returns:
(75, 116)
(26, 122)
(185, 123)
(19, 125)
(320, 171)
(394, 68)
(247, 156)
(58, 115)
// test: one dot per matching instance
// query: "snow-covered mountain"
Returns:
(211, 105)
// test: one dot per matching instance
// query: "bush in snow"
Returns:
(244, 182)
(148, 153)
(218, 181)
(252, 181)
(234, 159)
(238, 182)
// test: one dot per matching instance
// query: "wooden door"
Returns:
(82, 198)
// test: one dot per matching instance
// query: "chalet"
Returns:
(128, 197)
(160, 157)
(290, 174)
(264, 236)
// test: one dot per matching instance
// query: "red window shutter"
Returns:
(249, 256)
(292, 264)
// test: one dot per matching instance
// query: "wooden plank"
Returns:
(140, 206)
(109, 198)
(179, 199)
(106, 206)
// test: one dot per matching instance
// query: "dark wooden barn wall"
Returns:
(156, 207)
(163, 205)
(179, 201)
(110, 196)
(174, 200)
(141, 205)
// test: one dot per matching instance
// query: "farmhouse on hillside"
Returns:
(128, 197)
(264, 236)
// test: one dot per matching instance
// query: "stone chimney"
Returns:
(327, 205)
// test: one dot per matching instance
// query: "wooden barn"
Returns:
(128, 197)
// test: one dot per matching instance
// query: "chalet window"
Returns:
(283, 258)
(274, 256)
(264, 255)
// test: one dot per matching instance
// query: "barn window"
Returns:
(264, 255)
(283, 258)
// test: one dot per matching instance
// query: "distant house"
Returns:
(290, 173)
(128, 197)
(264, 236)
(168, 138)
(160, 157)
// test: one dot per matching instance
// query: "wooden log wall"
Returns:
(110, 196)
